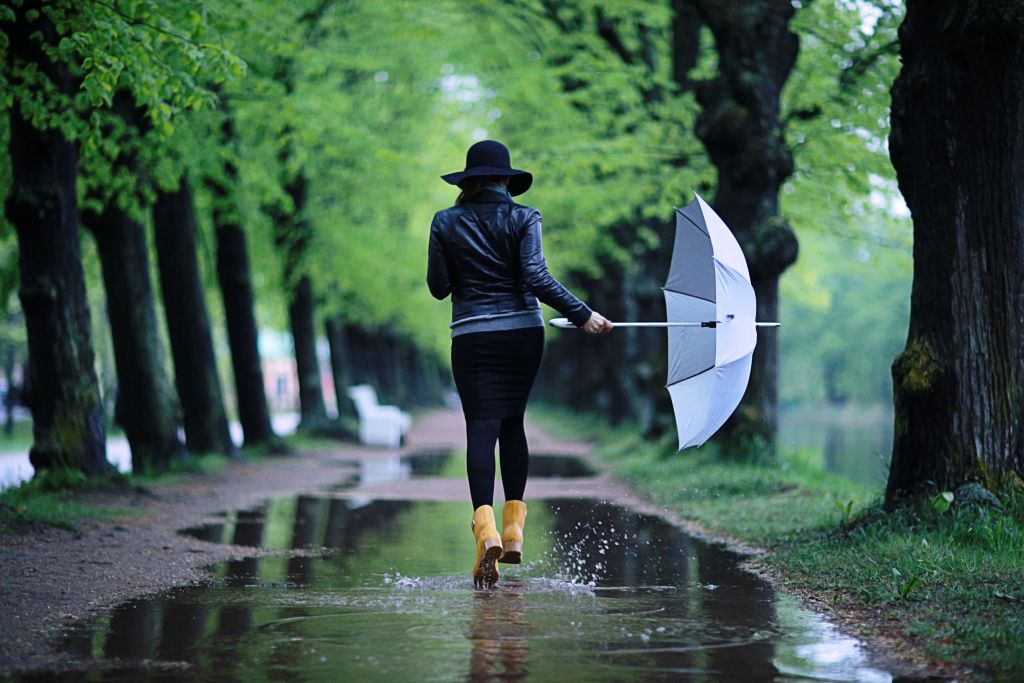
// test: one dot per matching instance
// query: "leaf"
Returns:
(942, 501)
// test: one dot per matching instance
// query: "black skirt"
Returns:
(494, 371)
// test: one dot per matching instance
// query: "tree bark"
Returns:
(235, 278)
(335, 330)
(145, 403)
(292, 233)
(67, 414)
(311, 397)
(740, 128)
(11, 395)
(188, 324)
(957, 144)
(146, 408)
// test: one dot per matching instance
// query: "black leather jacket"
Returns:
(487, 254)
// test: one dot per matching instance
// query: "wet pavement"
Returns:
(605, 594)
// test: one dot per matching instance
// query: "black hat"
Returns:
(490, 157)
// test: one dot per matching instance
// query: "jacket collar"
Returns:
(487, 195)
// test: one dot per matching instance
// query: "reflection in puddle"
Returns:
(606, 594)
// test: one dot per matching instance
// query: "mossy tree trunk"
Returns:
(957, 144)
(146, 407)
(188, 324)
(740, 128)
(234, 276)
(67, 414)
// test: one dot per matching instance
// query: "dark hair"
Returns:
(471, 186)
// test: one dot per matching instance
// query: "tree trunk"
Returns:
(335, 329)
(67, 414)
(188, 325)
(11, 395)
(292, 233)
(957, 144)
(740, 128)
(146, 408)
(235, 279)
(311, 397)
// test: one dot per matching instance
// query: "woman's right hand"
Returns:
(597, 323)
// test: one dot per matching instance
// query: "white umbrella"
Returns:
(711, 324)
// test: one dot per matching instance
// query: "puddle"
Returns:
(607, 594)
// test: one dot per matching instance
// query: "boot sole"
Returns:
(513, 553)
(487, 574)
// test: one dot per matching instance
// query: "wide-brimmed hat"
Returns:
(490, 157)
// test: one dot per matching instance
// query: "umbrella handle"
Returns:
(564, 324)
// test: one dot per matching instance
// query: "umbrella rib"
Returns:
(706, 232)
(680, 381)
(676, 291)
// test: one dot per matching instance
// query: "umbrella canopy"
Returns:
(709, 365)
(711, 323)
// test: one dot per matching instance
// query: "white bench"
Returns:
(378, 425)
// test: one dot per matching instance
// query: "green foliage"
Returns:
(942, 501)
(156, 50)
(852, 281)
(372, 101)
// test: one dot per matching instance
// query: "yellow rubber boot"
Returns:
(513, 517)
(488, 547)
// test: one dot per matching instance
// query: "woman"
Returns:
(486, 252)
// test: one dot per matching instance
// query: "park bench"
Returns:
(378, 425)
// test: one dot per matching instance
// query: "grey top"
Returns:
(497, 322)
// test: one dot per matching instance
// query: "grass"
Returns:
(948, 579)
(51, 498)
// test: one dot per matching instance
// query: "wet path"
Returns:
(606, 594)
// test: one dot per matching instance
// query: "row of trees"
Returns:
(110, 107)
(303, 141)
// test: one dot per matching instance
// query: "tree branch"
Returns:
(606, 29)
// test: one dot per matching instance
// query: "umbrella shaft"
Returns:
(688, 324)
(565, 324)
(666, 324)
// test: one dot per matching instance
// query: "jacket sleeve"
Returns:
(438, 279)
(539, 280)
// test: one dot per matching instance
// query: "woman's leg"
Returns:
(515, 457)
(481, 437)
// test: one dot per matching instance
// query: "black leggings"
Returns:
(481, 436)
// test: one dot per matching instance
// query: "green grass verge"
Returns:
(60, 497)
(952, 580)
(51, 497)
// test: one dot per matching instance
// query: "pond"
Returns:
(854, 441)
